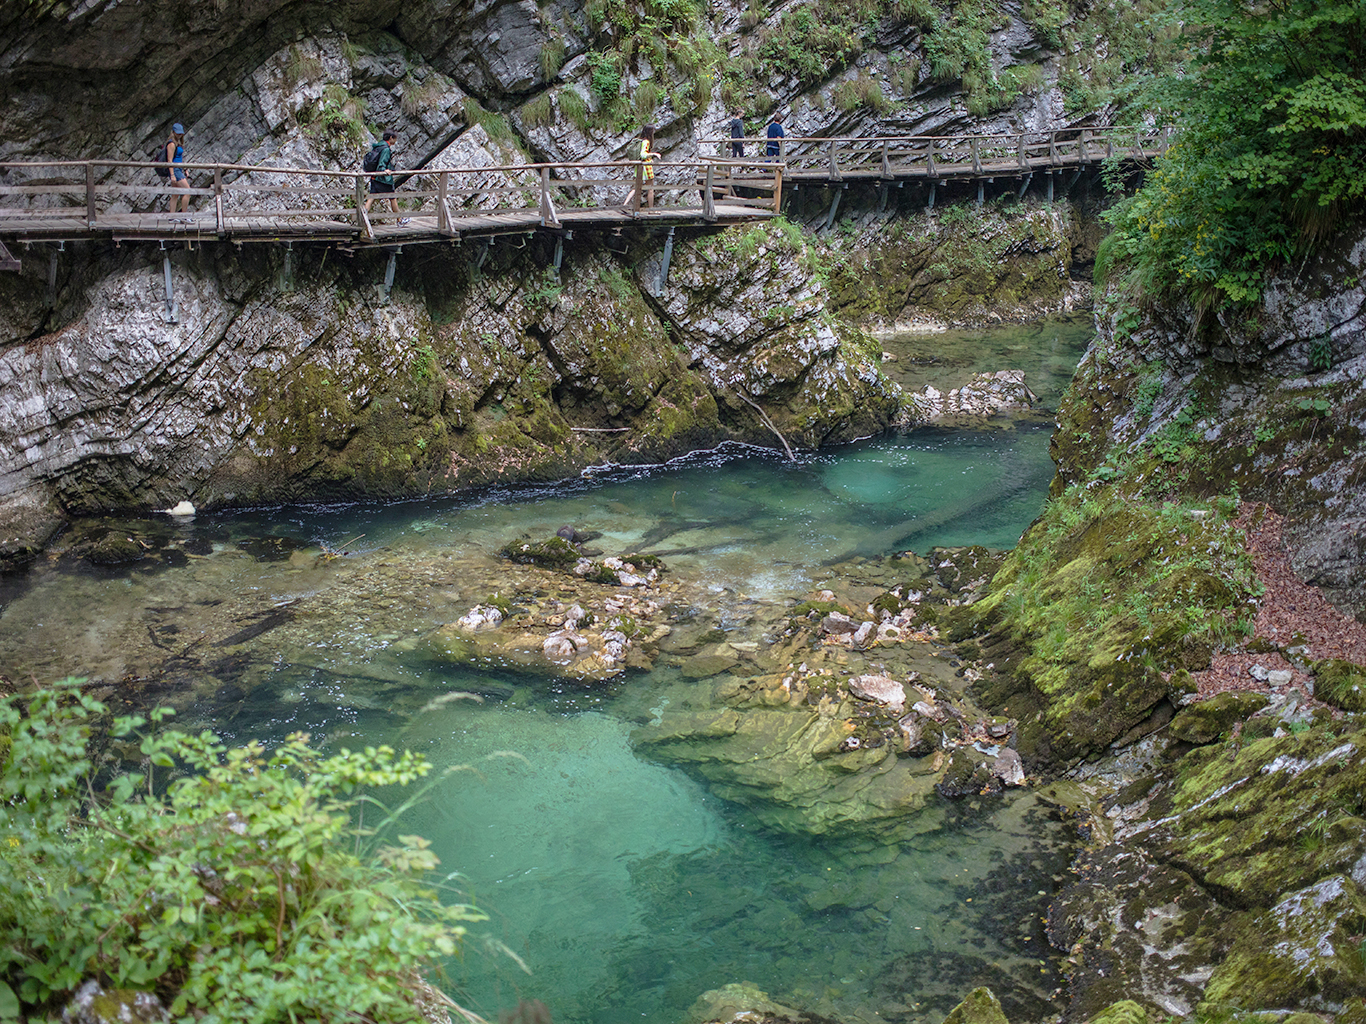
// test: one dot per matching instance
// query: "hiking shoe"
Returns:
(403, 220)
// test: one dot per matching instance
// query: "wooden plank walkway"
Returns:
(108, 199)
(825, 160)
(68, 201)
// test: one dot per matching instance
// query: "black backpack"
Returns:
(157, 157)
(371, 161)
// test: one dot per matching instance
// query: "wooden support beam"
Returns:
(90, 195)
(218, 200)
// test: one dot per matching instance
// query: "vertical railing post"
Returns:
(778, 189)
(976, 156)
(886, 160)
(1081, 147)
(362, 221)
(709, 197)
(1020, 151)
(1053, 148)
(218, 200)
(549, 218)
(834, 163)
(930, 169)
(443, 212)
(90, 195)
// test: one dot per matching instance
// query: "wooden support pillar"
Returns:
(389, 271)
(663, 279)
(172, 312)
(834, 208)
(52, 277)
(929, 205)
(1024, 186)
(1050, 187)
(981, 192)
(90, 195)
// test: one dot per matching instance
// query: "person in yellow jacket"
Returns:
(647, 155)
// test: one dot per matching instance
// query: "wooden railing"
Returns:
(925, 156)
(85, 198)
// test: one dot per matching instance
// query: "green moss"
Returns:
(1104, 594)
(1207, 720)
(551, 553)
(980, 1007)
(622, 623)
(600, 573)
(1341, 684)
(1125, 1012)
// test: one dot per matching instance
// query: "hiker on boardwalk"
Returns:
(648, 154)
(381, 158)
(737, 136)
(774, 146)
(175, 157)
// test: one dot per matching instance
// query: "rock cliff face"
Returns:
(1269, 401)
(278, 383)
(290, 377)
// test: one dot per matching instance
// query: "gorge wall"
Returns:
(285, 378)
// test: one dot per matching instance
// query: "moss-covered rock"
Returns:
(1282, 814)
(550, 553)
(1126, 1011)
(1305, 951)
(979, 1007)
(1106, 598)
(1341, 684)
(1206, 720)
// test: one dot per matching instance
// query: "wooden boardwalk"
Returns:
(928, 158)
(115, 200)
(71, 201)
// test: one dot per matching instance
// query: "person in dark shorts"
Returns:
(774, 146)
(384, 184)
(737, 135)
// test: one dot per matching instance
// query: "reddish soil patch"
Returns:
(1291, 614)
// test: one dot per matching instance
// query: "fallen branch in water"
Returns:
(768, 423)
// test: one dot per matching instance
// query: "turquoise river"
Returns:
(619, 888)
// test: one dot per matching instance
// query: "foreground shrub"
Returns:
(232, 886)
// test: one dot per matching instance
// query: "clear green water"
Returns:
(623, 884)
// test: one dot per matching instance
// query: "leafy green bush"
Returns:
(1271, 154)
(229, 886)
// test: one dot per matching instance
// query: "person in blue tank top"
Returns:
(175, 156)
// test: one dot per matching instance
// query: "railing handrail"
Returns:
(1107, 129)
(404, 171)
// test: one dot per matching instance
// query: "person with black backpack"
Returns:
(381, 158)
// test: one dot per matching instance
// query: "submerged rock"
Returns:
(980, 1007)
